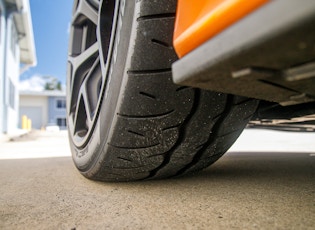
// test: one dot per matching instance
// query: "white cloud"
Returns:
(37, 83)
(34, 83)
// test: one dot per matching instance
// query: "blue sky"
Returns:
(51, 19)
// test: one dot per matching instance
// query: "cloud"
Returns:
(34, 83)
(37, 83)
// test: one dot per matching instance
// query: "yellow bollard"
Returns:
(24, 122)
(29, 124)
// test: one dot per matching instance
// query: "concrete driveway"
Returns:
(266, 181)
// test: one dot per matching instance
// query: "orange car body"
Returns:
(198, 21)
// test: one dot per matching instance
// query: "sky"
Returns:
(51, 22)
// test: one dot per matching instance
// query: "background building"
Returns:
(17, 53)
(44, 108)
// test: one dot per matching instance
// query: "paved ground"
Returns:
(254, 186)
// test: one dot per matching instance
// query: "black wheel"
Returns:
(127, 120)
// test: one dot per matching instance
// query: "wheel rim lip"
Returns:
(81, 137)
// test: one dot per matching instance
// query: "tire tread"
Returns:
(162, 129)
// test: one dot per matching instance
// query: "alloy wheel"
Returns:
(91, 37)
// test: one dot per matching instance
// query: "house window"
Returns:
(62, 122)
(14, 38)
(61, 104)
(11, 95)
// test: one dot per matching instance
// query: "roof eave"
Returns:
(26, 41)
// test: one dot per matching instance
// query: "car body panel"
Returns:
(268, 55)
(198, 21)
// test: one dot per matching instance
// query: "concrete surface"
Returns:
(247, 189)
(12, 135)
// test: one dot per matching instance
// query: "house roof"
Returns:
(45, 93)
(23, 22)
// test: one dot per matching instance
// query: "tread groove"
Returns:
(130, 148)
(146, 116)
(156, 16)
(124, 159)
(147, 95)
(244, 101)
(149, 72)
(200, 146)
(129, 167)
(171, 127)
(248, 117)
(156, 155)
(161, 43)
(182, 88)
(167, 155)
(136, 133)
(212, 136)
(228, 133)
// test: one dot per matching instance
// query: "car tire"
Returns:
(126, 119)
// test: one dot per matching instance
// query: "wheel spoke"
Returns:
(85, 97)
(80, 70)
(87, 108)
(92, 85)
(69, 86)
(95, 3)
(75, 116)
(85, 9)
(81, 120)
(78, 61)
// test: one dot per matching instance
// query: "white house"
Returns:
(17, 53)
(44, 108)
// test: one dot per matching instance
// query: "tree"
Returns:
(52, 83)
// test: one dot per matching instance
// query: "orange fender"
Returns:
(198, 21)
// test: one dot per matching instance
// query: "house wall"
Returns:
(11, 78)
(9, 72)
(31, 103)
(2, 49)
(57, 110)
(10, 57)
